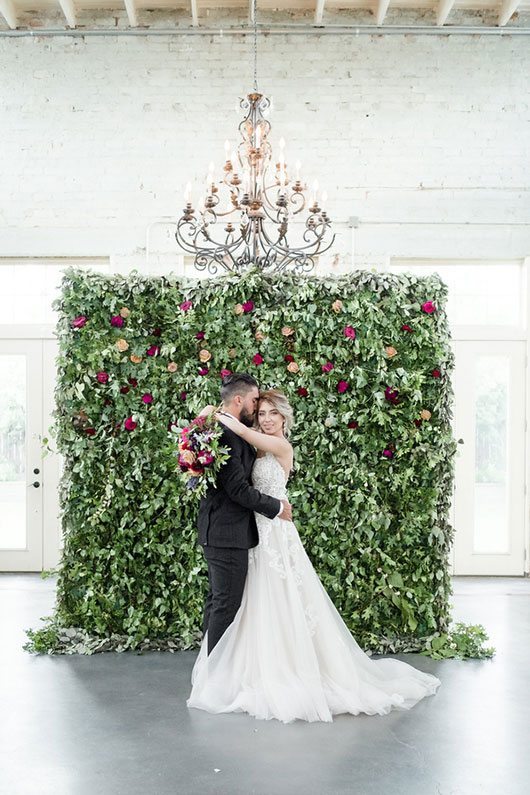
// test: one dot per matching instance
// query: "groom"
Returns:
(227, 525)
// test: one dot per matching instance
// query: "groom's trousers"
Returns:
(227, 572)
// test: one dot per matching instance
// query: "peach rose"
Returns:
(172, 367)
(232, 353)
(238, 309)
(293, 367)
(121, 345)
(124, 312)
(287, 331)
(205, 355)
(426, 414)
(135, 359)
(390, 351)
(337, 305)
(187, 456)
(259, 335)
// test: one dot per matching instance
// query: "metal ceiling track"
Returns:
(275, 30)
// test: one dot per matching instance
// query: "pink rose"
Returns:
(349, 332)
(328, 367)
(78, 322)
(205, 458)
(342, 386)
(388, 453)
(258, 358)
(130, 424)
(200, 335)
(154, 350)
(248, 306)
(224, 373)
(102, 377)
(186, 305)
(117, 321)
(147, 398)
(203, 371)
(428, 307)
(435, 373)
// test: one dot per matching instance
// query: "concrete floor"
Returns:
(117, 724)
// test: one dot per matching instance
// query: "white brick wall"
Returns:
(424, 139)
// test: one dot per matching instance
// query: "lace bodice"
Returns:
(268, 476)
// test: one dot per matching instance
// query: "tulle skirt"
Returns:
(289, 655)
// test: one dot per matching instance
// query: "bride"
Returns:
(287, 653)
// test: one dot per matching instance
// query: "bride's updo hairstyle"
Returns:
(281, 404)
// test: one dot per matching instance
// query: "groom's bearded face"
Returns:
(249, 407)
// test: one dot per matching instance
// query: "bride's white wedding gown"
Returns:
(288, 654)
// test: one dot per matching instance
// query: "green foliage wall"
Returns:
(373, 443)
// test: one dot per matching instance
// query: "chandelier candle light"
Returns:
(243, 219)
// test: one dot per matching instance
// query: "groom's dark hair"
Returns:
(237, 384)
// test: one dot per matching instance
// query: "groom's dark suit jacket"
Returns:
(226, 512)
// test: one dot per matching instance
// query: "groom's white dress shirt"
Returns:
(236, 418)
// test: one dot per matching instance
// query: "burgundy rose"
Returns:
(133, 381)
(117, 321)
(288, 358)
(428, 307)
(248, 306)
(258, 359)
(417, 423)
(90, 431)
(203, 371)
(200, 335)
(154, 350)
(102, 377)
(78, 322)
(205, 458)
(436, 373)
(130, 424)
(349, 332)
(353, 424)
(108, 402)
(183, 395)
(406, 327)
(392, 395)
(124, 389)
(157, 332)
(147, 398)
(186, 305)
(302, 391)
(328, 367)
(342, 387)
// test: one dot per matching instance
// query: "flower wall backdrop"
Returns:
(365, 360)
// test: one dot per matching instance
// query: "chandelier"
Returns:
(248, 216)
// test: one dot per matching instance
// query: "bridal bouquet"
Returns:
(200, 454)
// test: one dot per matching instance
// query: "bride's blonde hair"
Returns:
(281, 404)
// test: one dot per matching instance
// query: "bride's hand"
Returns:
(230, 422)
(206, 410)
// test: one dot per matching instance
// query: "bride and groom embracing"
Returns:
(274, 645)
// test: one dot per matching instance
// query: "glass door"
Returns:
(489, 498)
(20, 455)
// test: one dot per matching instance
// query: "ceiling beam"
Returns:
(68, 10)
(444, 9)
(382, 8)
(9, 12)
(194, 14)
(508, 8)
(319, 12)
(130, 7)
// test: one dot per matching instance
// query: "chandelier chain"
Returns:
(255, 21)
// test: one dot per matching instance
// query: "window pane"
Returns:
(480, 293)
(12, 452)
(491, 481)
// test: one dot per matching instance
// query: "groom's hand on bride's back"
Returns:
(287, 512)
